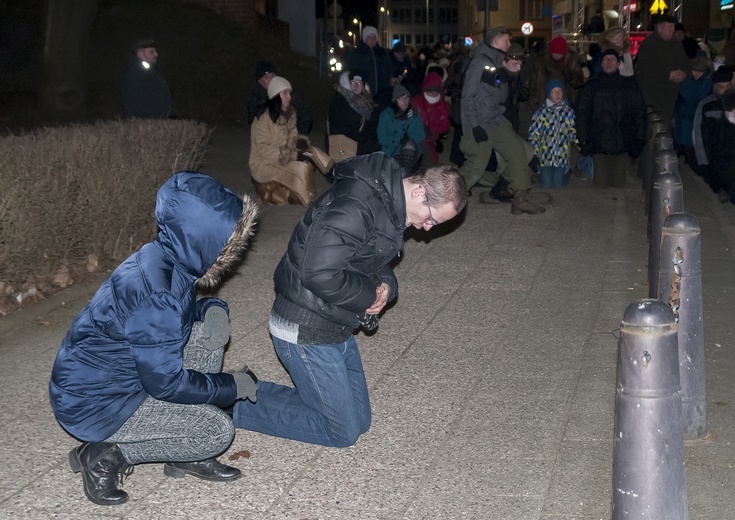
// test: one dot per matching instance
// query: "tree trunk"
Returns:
(65, 56)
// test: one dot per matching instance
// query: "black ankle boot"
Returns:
(101, 464)
(210, 469)
(500, 191)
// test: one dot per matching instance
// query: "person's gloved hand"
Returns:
(369, 322)
(216, 328)
(636, 148)
(245, 380)
(479, 134)
(408, 154)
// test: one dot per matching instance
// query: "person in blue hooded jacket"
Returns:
(138, 376)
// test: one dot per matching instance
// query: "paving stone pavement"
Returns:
(492, 378)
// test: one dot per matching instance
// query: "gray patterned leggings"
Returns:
(160, 431)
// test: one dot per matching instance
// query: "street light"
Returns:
(350, 33)
(359, 24)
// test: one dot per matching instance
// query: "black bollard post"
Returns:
(664, 160)
(667, 198)
(646, 160)
(649, 479)
(680, 285)
(661, 141)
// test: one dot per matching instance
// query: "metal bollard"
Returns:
(680, 285)
(664, 160)
(649, 479)
(658, 128)
(661, 141)
(646, 157)
(667, 198)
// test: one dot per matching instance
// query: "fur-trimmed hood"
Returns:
(606, 40)
(203, 226)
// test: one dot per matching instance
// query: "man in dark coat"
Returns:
(138, 376)
(264, 72)
(720, 142)
(145, 92)
(335, 277)
(373, 61)
(662, 65)
(610, 116)
(402, 70)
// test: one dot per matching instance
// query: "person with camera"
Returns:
(484, 126)
(334, 277)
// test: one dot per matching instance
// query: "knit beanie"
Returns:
(277, 85)
(721, 76)
(369, 29)
(558, 45)
(611, 52)
(398, 91)
(262, 68)
(552, 84)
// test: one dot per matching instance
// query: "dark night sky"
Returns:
(366, 10)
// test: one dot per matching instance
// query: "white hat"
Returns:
(369, 29)
(277, 85)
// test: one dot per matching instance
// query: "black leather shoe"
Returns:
(101, 465)
(210, 469)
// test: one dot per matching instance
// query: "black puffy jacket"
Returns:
(610, 114)
(348, 234)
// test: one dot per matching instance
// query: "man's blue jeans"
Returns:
(328, 405)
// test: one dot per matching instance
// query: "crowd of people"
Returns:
(138, 376)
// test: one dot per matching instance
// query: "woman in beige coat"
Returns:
(274, 151)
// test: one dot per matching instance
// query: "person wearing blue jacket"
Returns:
(138, 376)
(692, 91)
(399, 123)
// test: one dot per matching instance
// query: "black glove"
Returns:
(216, 328)
(491, 77)
(479, 134)
(636, 148)
(245, 380)
(438, 145)
(369, 322)
(301, 144)
(408, 154)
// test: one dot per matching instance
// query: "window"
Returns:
(531, 9)
(408, 39)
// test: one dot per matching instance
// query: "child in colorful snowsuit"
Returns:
(552, 135)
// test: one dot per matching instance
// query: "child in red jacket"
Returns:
(434, 113)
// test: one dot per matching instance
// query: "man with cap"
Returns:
(710, 108)
(145, 92)
(610, 117)
(691, 47)
(370, 58)
(264, 72)
(485, 128)
(662, 66)
(402, 70)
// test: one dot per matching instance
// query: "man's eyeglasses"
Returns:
(431, 218)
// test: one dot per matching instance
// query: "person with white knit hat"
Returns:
(374, 62)
(280, 177)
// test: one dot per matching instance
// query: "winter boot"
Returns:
(101, 465)
(521, 204)
(210, 469)
(499, 192)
